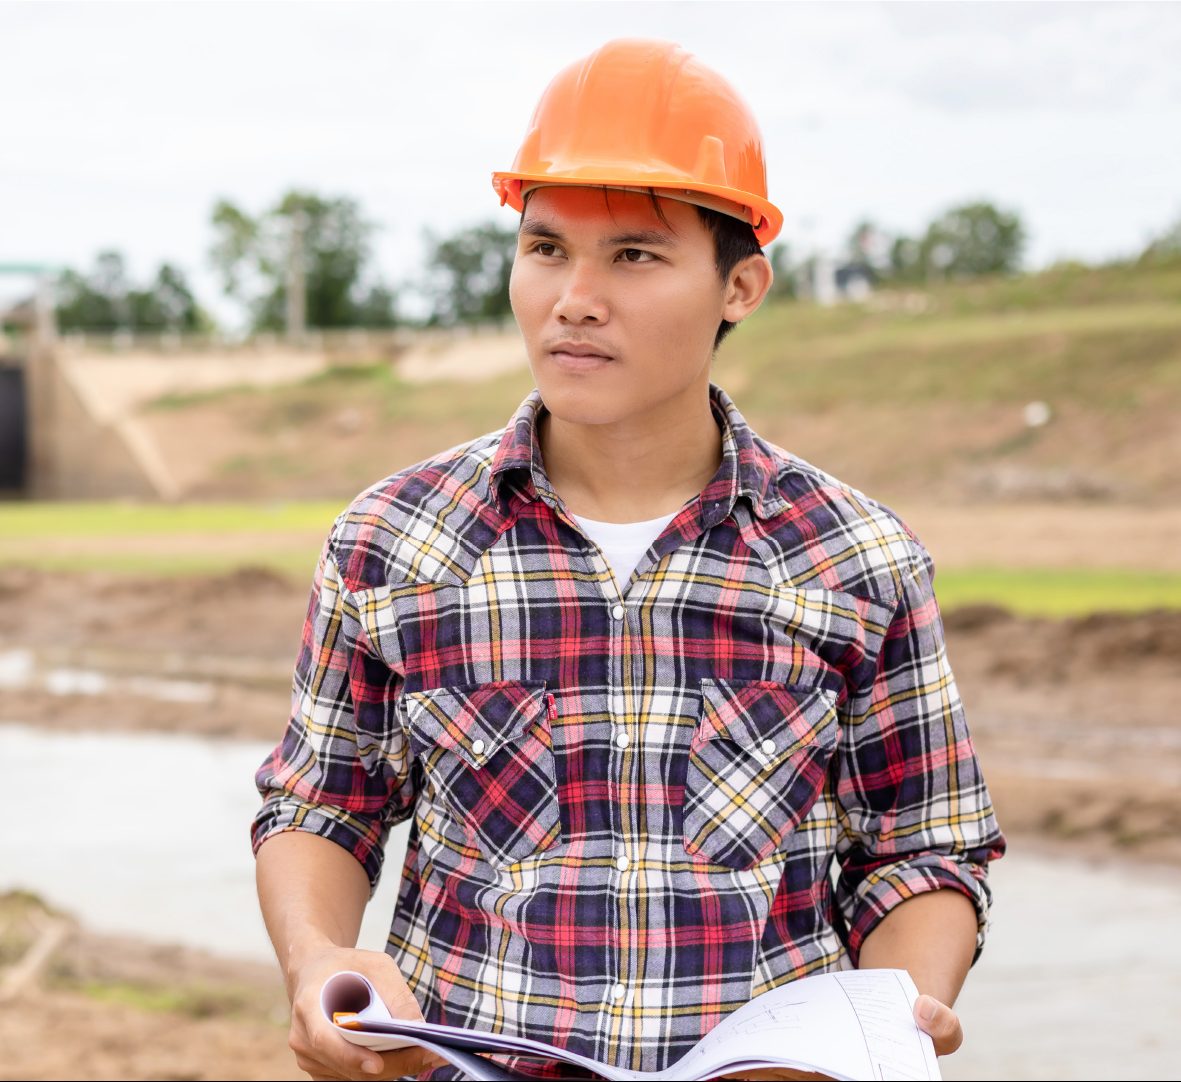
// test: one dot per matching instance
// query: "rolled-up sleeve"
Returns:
(342, 769)
(914, 812)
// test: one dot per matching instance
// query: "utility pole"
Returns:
(297, 300)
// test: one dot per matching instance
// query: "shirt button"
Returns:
(768, 747)
(477, 747)
(622, 740)
(622, 863)
(617, 612)
(618, 991)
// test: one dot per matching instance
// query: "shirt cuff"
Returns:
(892, 884)
(362, 837)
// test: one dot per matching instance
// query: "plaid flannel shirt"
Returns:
(631, 812)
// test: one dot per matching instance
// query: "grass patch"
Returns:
(182, 400)
(194, 1001)
(286, 538)
(25, 521)
(367, 372)
(1058, 592)
(297, 565)
(1104, 357)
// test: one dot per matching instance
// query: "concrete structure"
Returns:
(84, 395)
(71, 406)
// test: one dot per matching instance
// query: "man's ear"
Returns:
(746, 286)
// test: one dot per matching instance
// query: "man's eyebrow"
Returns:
(649, 237)
(535, 227)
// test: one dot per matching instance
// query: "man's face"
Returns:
(618, 308)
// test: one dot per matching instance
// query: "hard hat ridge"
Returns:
(647, 114)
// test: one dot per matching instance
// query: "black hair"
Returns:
(734, 241)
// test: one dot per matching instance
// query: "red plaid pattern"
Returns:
(631, 811)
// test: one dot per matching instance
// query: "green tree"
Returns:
(869, 246)
(971, 240)
(784, 284)
(906, 263)
(1165, 247)
(468, 274)
(377, 308)
(254, 256)
(82, 306)
(104, 300)
(168, 304)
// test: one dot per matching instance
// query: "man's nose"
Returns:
(581, 299)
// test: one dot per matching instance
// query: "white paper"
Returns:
(854, 1024)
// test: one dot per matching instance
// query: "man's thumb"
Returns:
(941, 1022)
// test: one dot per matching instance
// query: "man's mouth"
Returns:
(576, 352)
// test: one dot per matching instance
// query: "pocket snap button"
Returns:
(767, 747)
(477, 747)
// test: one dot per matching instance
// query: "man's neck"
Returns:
(639, 468)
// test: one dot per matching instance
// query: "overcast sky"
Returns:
(123, 123)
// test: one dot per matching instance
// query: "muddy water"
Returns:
(143, 835)
(148, 835)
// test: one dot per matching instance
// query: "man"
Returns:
(638, 678)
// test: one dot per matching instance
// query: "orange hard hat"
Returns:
(647, 114)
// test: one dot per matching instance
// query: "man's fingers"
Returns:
(410, 1061)
(386, 1065)
(941, 1022)
(323, 1052)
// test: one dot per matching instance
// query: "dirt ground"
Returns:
(76, 1005)
(1076, 723)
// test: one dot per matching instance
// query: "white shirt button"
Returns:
(618, 991)
(617, 612)
(622, 863)
(768, 747)
(477, 747)
(622, 740)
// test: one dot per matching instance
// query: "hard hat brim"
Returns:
(766, 218)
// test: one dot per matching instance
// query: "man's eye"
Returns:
(545, 248)
(636, 255)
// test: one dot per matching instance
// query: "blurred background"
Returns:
(251, 263)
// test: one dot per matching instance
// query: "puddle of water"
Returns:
(148, 836)
(1080, 978)
(20, 670)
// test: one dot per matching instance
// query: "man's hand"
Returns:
(940, 1022)
(933, 936)
(312, 893)
(323, 1052)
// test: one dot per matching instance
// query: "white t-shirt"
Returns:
(623, 543)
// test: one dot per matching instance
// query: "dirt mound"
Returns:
(131, 1009)
(252, 611)
(1131, 637)
(1045, 651)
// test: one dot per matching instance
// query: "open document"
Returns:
(854, 1024)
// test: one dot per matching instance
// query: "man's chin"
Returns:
(593, 401)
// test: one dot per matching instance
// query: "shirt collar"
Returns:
(748, 469)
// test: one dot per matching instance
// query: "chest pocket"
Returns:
(757, 763)
(488, 751)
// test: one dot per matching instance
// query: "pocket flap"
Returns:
(769, 719)
(474, 720)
